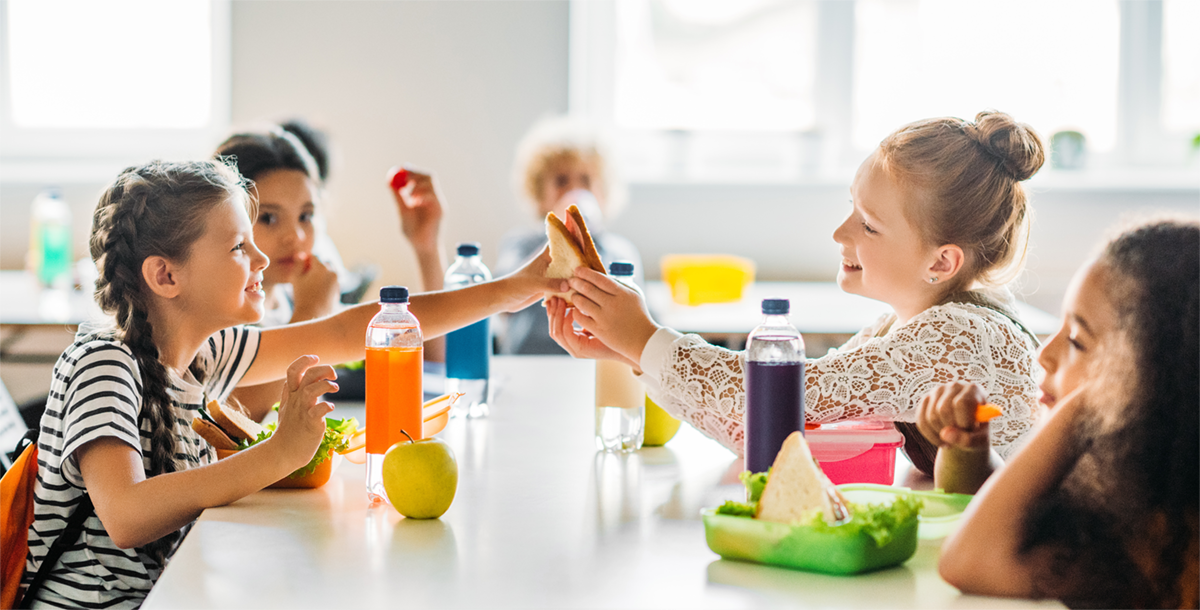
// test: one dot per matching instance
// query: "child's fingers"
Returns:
(585, 305)
(311, 392)
(317, 373)
(601, 281)
(296, 370)
(964, 402)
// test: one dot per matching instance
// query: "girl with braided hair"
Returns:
(181, 276)
(938, 224)
(1101, 508)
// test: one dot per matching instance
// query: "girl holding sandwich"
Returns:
(938, 224)
(180, 273)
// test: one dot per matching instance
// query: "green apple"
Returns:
(660, 427)
(420, 477)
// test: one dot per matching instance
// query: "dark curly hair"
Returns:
(1122, 525)
(155, 209)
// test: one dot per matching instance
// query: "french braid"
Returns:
(155, 209)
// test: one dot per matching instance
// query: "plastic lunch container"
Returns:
(856, 451)
(809, 549)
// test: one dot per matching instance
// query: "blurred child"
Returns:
(180, 273)
(559, 163)
(301, 283)
(1101, 508)
(938, 224)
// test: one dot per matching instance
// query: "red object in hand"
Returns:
(399, 178)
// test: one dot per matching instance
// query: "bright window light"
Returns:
(1181, 65)
(116, 64)
(1050, 64)
(715, 65)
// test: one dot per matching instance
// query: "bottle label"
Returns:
(469, 351)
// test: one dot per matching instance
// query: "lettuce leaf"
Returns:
(755, 482)
(337, 438)
(737, 509)
(879, 521)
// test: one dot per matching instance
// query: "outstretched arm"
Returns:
(341, 337)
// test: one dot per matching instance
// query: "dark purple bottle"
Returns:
(774, 385)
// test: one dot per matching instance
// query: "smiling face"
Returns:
(1089, 334)
(883, 256)
(221, 280)
(284, 227)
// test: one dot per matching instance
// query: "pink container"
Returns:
(856, 451)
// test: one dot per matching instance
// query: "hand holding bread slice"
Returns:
(571, 246)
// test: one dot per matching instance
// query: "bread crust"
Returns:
(235, 423)
(587, 247)
(213, 434)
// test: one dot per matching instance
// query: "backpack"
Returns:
(16, 508)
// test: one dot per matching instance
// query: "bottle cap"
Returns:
(776, 307)
(468, 248)
(621, 268)
(393, 294)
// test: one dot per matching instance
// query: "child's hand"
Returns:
(315, 290)
(529, 283)
(420, 204)
(578, 344)
(612, 312)
(946, 417)
(301, 417)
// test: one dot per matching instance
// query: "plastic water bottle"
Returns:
(620, 397)
(394, 366)
(774, 385)
(469, 349)
(50, 240)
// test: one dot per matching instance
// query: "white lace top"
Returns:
(879, 374)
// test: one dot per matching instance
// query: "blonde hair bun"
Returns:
(1015, 145)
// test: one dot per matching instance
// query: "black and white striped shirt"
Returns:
(97, 392)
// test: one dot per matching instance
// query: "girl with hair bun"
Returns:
(182, 278)
(1101, 508)
(938, 222)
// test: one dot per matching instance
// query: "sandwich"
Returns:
(795, 490)
(571, 246)
(229, 429)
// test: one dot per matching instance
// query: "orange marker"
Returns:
(986, 412)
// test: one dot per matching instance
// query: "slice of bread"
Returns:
(213, 434)
(234, 422)
(571, 246)
(794, 488)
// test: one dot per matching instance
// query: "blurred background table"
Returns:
(540, 520)
(25, 307)
(822, 312)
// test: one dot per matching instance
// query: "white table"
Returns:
(540, 520)
(825, 314)
(25, 306)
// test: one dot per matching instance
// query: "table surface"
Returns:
(24, 303)
(817, 308)
(540, 520)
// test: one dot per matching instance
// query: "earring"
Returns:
(933, 279)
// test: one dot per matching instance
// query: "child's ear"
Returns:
(159, 274)
(947, 262)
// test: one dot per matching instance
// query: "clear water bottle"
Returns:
(394, 364)
(50, 240)
(469, 349)
(774, 385)
(620, 397)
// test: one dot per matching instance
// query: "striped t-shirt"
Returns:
(96, 392)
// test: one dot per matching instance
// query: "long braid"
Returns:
(152, 210)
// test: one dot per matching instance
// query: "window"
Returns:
(112, 82)
(792, 90)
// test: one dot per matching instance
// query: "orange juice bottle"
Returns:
(394, 363)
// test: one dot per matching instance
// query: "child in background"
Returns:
(287, 189)
(174, 245)
(938, 225)
(559, 163)
(1102, 508)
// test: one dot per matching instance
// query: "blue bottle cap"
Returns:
(620, 268)
(468, 248)
(776, 307)
(393, 294)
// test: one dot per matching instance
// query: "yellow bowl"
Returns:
(696, 279)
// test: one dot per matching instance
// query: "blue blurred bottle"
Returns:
(469, 349)
(774, 385)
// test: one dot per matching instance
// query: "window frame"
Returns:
(1142, 141)
(77, 154)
